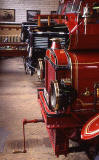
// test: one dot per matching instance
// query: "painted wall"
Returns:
(21, 6)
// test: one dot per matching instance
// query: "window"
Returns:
(73, 6)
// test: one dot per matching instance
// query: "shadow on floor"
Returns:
(30, 143)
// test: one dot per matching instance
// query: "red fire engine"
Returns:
(70, 100)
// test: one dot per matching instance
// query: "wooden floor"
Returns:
(18, 100)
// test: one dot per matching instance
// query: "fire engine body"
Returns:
(70, 100)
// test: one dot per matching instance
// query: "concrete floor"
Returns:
(18, 100)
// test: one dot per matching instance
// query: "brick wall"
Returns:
(21, 6)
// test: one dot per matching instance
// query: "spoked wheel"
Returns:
(40, 69)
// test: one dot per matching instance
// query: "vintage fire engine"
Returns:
(37, 35)
(70, 100)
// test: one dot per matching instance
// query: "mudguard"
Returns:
(91, 128)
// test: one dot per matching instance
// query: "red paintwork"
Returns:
(85, 66)
(79, 64)
(55, 122)
(78, 40)
(91, 128)
(59, 129)
(60, 58)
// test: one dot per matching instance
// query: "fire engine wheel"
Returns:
(40, 69)
(54, 96)
(31, 72)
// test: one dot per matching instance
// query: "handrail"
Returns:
(13, 44)
(10, 27)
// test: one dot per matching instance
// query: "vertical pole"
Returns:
(39, 20)
(24, 150)
(49, 20)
